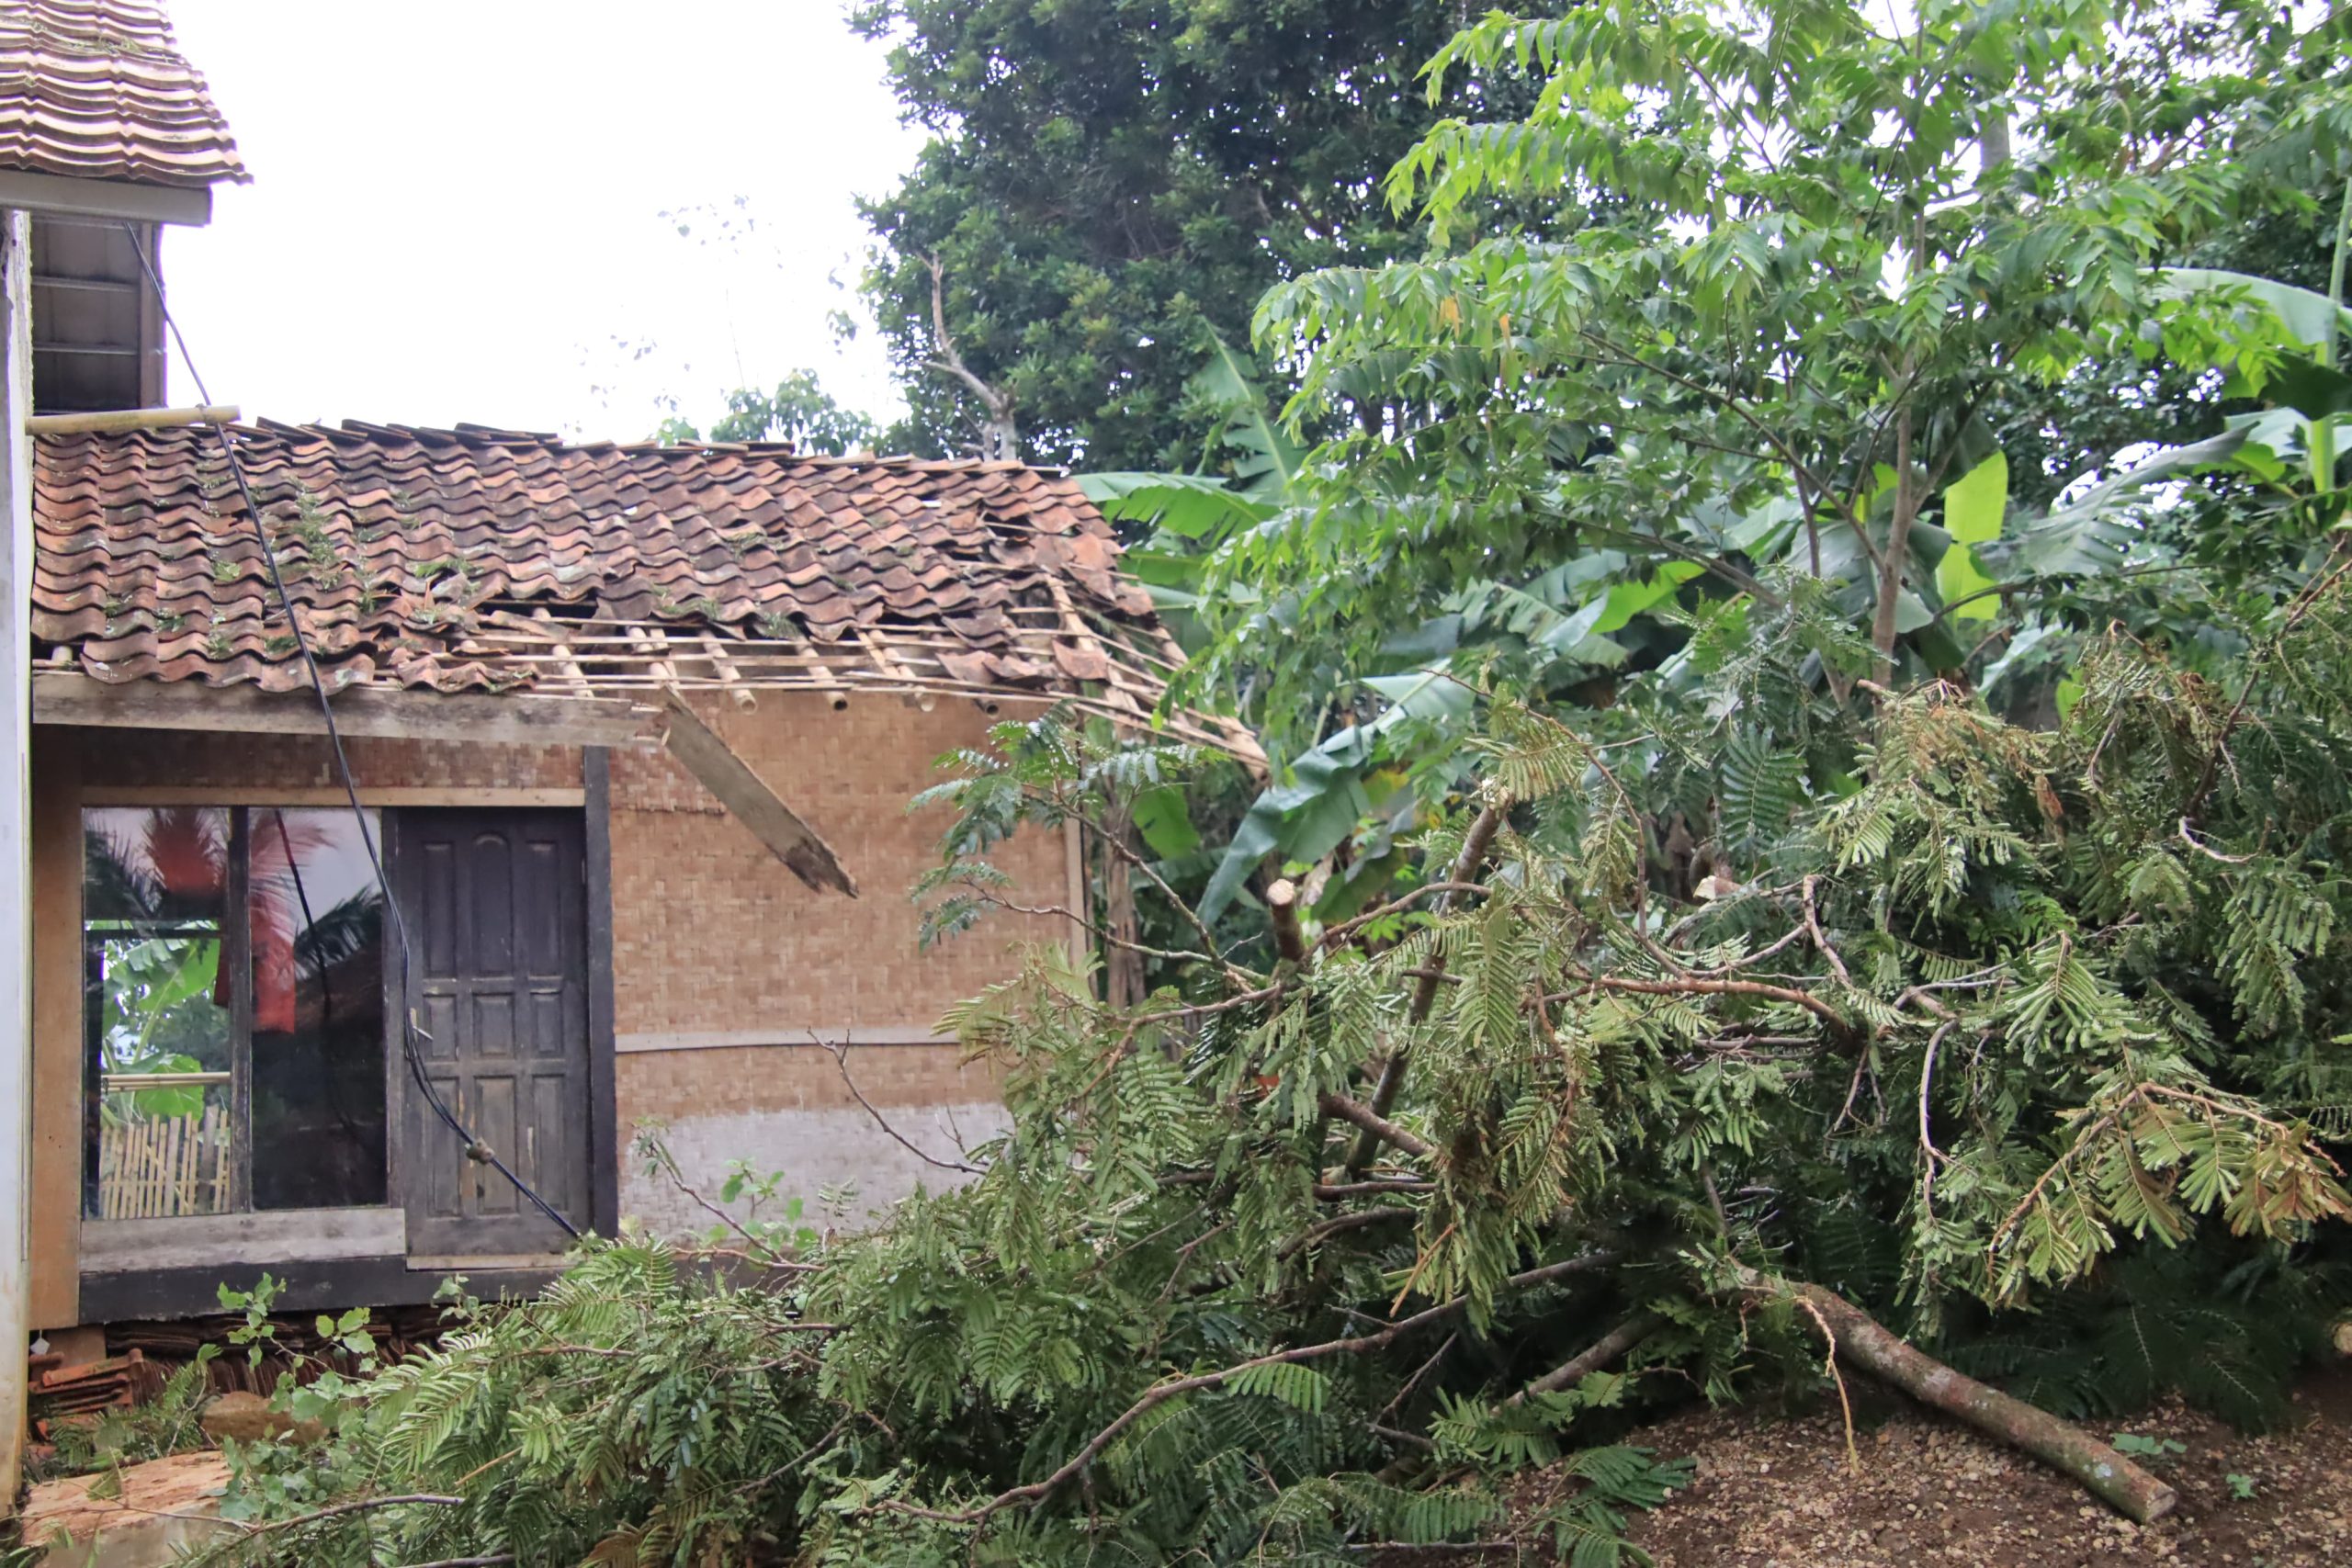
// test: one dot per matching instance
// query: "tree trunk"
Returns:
(1863, 1341)
(1122, 980)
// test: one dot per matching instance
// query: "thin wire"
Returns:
(475, 1148)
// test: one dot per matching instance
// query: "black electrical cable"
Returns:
(410, 1032)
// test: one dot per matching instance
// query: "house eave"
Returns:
(69, 697)
(62, 196)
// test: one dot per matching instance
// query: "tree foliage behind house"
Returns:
(1109, 184)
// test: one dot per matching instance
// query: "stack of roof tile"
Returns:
(98, 90)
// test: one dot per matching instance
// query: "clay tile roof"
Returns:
(98, 90)
(499, 560)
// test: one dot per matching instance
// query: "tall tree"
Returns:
(798, 411)
(1832, 253)
(1111, 183)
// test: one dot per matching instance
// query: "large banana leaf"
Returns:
(1197, 506)
(2093, 532)
(1306, 818)
(1266, 462)
(2305, 316)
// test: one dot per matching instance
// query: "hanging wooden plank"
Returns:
(752, 802)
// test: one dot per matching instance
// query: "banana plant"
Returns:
(1371, 779)
(2278, 343)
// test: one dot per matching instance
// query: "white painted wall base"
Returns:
(814, 1149)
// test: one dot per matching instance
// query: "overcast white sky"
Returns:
(456, 211)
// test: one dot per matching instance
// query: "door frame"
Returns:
(602, 1150)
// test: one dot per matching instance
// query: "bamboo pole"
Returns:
(728, 674)
(112, 420)
(109, 1171)
(569, 668)
(192, 1142)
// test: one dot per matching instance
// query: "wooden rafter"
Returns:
(747, 796)
(71, 698)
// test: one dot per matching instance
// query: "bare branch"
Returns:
(1698, 986)
(1474, 846)
(1609, 1345)
(1812, 927)
(1325, 1229)
(1376, 1127)
(1000, 434)
(763, 1251)
(840, 1055)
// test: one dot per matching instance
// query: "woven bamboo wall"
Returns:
(712, 936)
(711, 933)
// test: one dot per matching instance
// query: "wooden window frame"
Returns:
(237, 955)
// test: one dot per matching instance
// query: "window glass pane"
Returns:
(318, 1047)
(156, 1012)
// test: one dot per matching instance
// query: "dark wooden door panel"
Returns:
(500, 988)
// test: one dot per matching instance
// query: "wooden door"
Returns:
(496, 908)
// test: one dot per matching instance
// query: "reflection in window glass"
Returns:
(157, 1014)
(318, 1022)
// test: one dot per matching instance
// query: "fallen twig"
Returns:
(840, 1055)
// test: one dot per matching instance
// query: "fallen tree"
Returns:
(1855, 1337)
(1937, 1055)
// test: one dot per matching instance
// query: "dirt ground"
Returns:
(1779, 1493)
(152, 1512)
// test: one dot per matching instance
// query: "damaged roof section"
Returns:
(483, 560)
(98, 90)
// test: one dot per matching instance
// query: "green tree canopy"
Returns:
(1108, 183)
(1828, 252)
(798, 411)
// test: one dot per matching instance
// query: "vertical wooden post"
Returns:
(15, 843)
(64, 1131)
(237, 959)
(1076, 892)
(605, 1152)
(1122, 977)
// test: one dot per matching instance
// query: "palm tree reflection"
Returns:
(155, 904)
